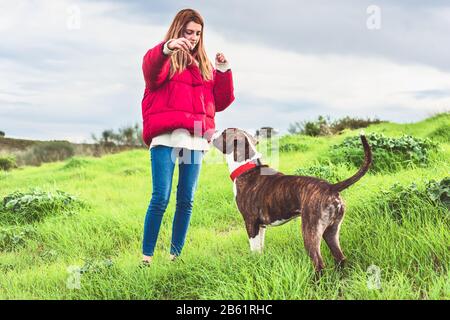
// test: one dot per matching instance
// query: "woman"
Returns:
(182, 94)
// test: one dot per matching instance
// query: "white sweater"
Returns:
(180, 139)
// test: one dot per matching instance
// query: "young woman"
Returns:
(182, 94)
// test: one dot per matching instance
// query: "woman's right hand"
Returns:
(180, 44)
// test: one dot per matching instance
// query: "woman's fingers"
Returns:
(188, 43)
(220, 57)
(182, 44)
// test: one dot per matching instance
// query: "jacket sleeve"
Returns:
(156, 67)
(223, 89)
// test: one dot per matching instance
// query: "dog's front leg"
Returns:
(262, 232)
(256, 236)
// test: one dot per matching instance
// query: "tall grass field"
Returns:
(73, 229)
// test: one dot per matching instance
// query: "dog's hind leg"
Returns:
(331, 237)
(312, 235)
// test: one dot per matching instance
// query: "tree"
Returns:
(107, 136)
(127, 135)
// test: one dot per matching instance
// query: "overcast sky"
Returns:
(72, 68)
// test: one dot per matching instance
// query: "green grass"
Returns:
(413, 256)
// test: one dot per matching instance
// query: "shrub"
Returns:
(2, 134)
(352, 123)
(7, 163)
(13, 237)
(439, 192)
(402, 202)
(53, 151)
(326, 172)
(389, 154)
(441, 134)
(47, 152)
(319, 127)
(33, 206)
(324, 126)
(127, 135)
(289, 143)
(74, 163)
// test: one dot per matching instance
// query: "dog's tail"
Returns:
(362, 170)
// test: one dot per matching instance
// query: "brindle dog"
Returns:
(266, 197)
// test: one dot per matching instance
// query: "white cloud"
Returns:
(343, 84)
(55, 75)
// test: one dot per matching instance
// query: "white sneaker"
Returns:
(146, 261)
(173, 257)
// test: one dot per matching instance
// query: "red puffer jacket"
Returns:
(184, 100)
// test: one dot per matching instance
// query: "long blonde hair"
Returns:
(180, 59)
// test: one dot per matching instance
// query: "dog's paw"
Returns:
(340, 265)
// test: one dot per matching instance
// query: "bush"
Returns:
(402, 202)
(75, 163)
(326, 172)
(14, 237)
(48, 152)
(53, 151)
(18, 207)
(439, 192)
(7, 163)
(352, 123)
(319, 127)
(323, 126)
(127, 136)
(290, 143)
(2, 134)
(441, 134)
(389, 154)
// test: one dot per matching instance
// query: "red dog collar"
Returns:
(240, 170)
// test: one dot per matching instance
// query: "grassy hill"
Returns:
(35, 152)
(102, 237)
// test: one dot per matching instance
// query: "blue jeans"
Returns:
(163, 160)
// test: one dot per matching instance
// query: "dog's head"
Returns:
(238, 142)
